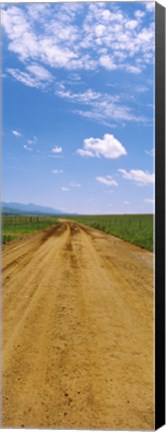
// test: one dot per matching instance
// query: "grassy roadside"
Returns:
(136, 229)
(13, 227)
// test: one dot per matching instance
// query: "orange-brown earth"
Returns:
(77, 331)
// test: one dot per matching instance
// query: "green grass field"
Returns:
(136, 229)
(13, 227)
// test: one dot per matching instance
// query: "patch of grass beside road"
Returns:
(14, 226)
(6, 238)
(136, 229)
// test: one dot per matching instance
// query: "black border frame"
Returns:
(159, 216)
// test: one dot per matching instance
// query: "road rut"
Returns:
(77, 331)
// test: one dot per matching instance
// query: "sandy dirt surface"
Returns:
(77, 331)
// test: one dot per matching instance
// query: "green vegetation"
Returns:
(136, 229)
(13, 227)
(8, 238)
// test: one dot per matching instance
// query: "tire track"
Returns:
(23, 289)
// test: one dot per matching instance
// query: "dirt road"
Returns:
(77, 331)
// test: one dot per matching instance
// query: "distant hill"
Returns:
(17, 208)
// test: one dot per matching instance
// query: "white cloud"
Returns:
(150, 6)
(57, 171)
(86, 153)
(107, 180)
(47, 37)
(107, 62)
(108, 147)
(24, 78)
(133, 69)
(141, 89)
(65, 189)
(150, 152)
(131, 25)
(57, 149)
(141, 177)
(40, 72)
(75, 185)
(16, 133)
(139, 14)
(32, 141)
(126, 202)
(101, 38)
(74, 78)
(103, 107)
(85, 97)
(27, 148)
(149, 201)
(33, 76)
(106, 15)
(36, 10)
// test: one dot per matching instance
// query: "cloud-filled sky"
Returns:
(78, 105)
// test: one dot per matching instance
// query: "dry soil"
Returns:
(77, 331)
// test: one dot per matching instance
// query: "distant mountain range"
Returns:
(17, 208)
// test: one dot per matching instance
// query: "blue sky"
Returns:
(78, 106)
